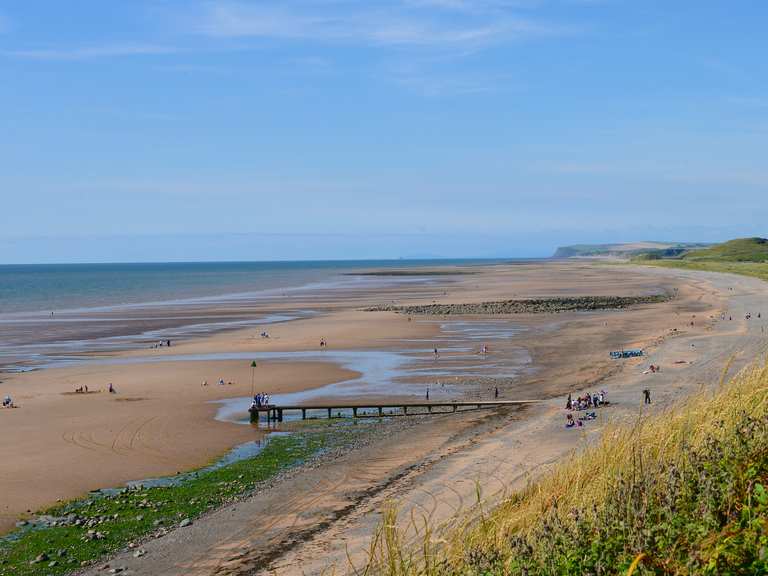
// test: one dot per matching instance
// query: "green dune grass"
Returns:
(739, 250)
(745, 256)
(754, 269)
(684, 492)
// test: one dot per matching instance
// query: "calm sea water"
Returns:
(46, 288)
(60, 312)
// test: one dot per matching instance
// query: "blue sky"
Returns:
(161, 129)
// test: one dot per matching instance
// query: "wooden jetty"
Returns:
(373, 410)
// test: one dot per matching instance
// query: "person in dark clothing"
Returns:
(646, 396)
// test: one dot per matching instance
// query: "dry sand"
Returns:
(161, 420)
(326, 517)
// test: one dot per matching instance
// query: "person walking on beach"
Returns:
(436, 354)
(427, 393)
(496, 392)
(646, 396)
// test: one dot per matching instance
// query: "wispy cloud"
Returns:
(457, 24)
(90, 52)
(405, 23)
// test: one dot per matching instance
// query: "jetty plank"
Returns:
(276, 412)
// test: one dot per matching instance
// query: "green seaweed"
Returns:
(94, 527)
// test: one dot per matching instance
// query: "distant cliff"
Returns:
(625, 250)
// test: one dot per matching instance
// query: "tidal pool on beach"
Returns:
(396, 372)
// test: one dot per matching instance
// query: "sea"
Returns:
(54, 312)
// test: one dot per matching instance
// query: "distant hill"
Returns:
(739, 250)
(626, 250)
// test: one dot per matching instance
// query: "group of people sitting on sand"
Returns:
(161, 343)
(8, 402)
(84, 389)
(570, 421)
(588, 400)
(261, 400)
(221, 382)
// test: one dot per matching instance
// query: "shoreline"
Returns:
(443, 488)
(194, 436)
(31, 336)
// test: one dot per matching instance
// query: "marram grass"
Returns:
(683, 492)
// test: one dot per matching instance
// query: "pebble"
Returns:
(531, 305)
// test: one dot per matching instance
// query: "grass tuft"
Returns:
(683, 492)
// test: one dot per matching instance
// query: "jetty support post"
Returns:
(354, 412)
(329, 413)
(279, 414)
(303, 413)
(381, 410)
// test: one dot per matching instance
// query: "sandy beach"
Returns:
(162, 419)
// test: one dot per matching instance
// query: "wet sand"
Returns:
(325, 517)
(162, 419)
